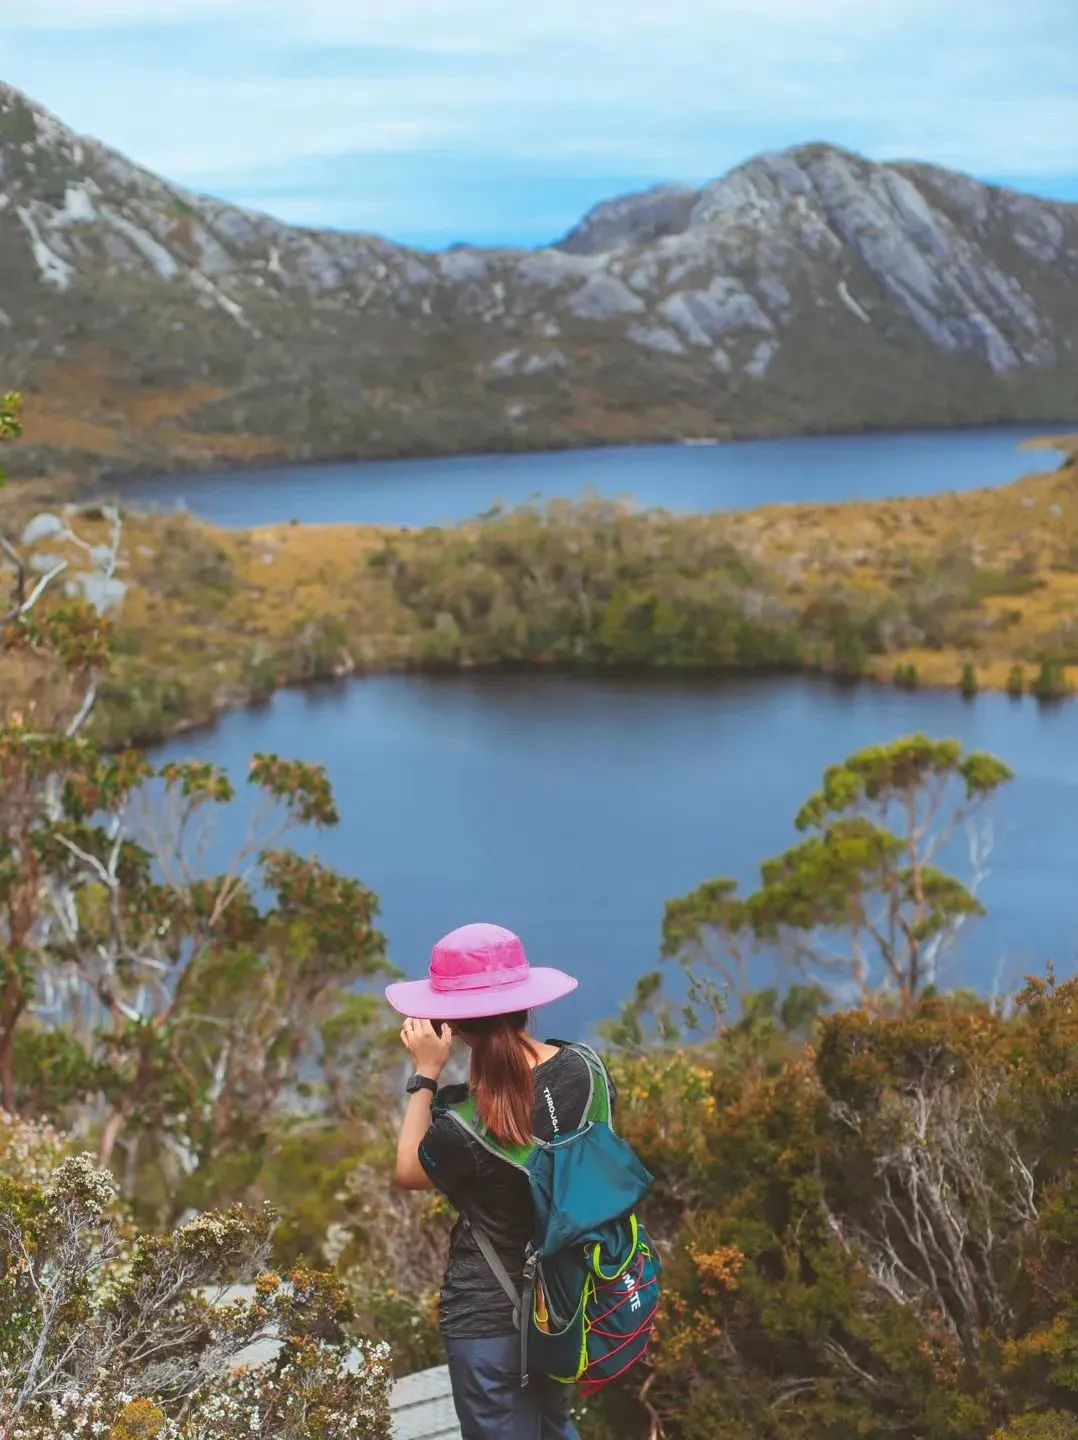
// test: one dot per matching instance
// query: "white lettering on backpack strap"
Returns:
(553, 1112)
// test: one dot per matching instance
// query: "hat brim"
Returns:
(419, 998)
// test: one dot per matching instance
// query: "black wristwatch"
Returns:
(421, 1082)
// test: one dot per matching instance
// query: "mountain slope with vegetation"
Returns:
(806, 290)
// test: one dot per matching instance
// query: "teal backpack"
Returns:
(591, 1274)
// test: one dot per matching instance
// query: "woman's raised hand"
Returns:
(428, 1049)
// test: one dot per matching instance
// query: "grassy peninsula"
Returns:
(982, 585)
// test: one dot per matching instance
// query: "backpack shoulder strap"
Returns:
(600, 1108)
(466, 1114)
(522, 1303)
(501, 1274)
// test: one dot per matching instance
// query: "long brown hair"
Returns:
(502, 1075)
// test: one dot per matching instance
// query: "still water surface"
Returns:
(690, 478)
(570, 807)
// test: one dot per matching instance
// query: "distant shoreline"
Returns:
(734, 435)
(329, 682)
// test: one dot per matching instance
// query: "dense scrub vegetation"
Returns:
(871, 1223)
(107, 1333)
(602, 584)
(869, 1213)
(591, 584)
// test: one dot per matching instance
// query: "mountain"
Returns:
(806, 290)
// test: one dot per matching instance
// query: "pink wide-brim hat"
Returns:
(476, 971)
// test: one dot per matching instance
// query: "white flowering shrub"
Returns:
(30, 1150)
(388, 1248)
(107, 1335)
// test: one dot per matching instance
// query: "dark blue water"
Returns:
(570, 808)
(680, 477)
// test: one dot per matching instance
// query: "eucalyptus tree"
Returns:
(861, 905)
(175, 1012)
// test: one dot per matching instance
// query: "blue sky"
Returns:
(501, 121)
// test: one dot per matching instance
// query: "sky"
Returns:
(502, 121)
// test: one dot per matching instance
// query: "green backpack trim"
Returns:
(598, 1111)
(578, 1321)
(597, 1269)
(466, 1114)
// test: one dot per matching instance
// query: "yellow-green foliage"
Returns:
(1042, 1425)
(139, 1420)
(870, 1234)
(924, 586)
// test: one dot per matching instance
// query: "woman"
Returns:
(481, 988)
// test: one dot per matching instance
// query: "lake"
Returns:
(571, 807)
(690, 478)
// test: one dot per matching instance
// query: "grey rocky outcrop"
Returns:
(631, 221)
(806, 288)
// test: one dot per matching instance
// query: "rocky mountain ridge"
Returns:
(810, 289)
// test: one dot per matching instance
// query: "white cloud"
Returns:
(685, 88)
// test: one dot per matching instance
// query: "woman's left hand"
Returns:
(428, 1049)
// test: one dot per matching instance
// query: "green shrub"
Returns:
(1043, 1425)
(1051, 681)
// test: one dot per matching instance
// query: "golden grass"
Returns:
(83, 406)
(1032, 522)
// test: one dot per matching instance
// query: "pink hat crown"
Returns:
(477, 957)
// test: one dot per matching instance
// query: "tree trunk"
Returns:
(915, 977)
(7, 1073)
(10, 1012)
(111, 1133)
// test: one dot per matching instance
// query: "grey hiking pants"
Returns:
(490, 1403)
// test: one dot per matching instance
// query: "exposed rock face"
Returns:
(602, 297)
(809, 289)
(631, 221)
